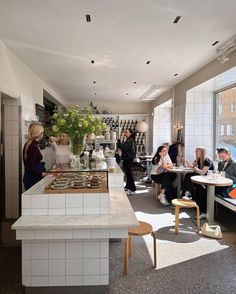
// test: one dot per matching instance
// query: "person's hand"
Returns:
(44, 174)
(187, 163)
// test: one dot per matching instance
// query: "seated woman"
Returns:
(61, 147)
(161, 161)
(200, 166)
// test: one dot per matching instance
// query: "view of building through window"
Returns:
(226, 119)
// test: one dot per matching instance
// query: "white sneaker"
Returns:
(203, 216)
(162, 199)
(129, 192)
(187, 197)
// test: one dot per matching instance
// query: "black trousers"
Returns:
(200, 196)
(188, 185)
(165, 179)
(127, 164)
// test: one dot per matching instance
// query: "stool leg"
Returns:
(176, 220)
(129, 245)
(126, 253)
(198, 219)
(155, 249)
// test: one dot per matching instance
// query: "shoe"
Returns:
(162, 199)
(129, 192)
(187, 197)
(202, 216)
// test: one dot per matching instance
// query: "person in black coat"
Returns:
(128, 155)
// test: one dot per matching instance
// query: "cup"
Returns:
(222, 174)
(210, 174)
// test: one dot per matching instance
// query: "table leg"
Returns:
(210, 203)
(178, 185)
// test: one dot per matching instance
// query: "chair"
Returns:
(183, 203)
(143, 229)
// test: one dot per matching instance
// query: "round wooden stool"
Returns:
(183, 203)
(142, 230)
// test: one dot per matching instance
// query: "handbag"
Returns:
(213, 231)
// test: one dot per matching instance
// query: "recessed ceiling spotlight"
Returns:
(95, 93)
(175, 75)
(127, 93)
(92, 61)
(94, 82)
(216, 42)
(176, 19)
(148, 61)
(88, 18)
(135, 83)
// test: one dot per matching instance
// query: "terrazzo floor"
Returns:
(187, 263)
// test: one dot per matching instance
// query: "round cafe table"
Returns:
(180, 171)
(211, 184)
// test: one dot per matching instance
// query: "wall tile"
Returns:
(62, 234)
(91, 200)
(91, 249)
(57, 281)
(57, 250)
(82, 234)
(26, 268)
(91, 267)
(91, 280)
(74, 249)
(57, 267)
(104, 266)
(39, 267)
(74, 280)
(73, 201)
(57, 201)
(39, 201)
(74, 267)
(44, 234)
(40, 281)
(104, 249)
(40, 250)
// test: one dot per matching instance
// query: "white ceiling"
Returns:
(53, 38)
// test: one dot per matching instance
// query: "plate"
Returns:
(78, 187)
(93, 187)
(68, 175)
(59, 187)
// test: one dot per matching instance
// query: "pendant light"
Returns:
(142, 126)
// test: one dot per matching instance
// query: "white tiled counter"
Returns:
(65, 237)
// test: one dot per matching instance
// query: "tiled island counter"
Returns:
(65, 237)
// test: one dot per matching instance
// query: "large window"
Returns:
(226, 119)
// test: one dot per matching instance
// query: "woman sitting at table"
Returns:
(161, 161)
(200, 166)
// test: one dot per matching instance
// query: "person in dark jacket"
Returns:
(128, 156)
(34, 168)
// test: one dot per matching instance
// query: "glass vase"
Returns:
(77, 145)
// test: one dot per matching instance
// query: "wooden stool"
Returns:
(183, 203)
(158, 189)
(143, 229)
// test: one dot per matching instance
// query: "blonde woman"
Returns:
(61, 147)
(200, 166)
(34, 168)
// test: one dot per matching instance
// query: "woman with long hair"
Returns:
(128, 155)
(160, 162)
(34, 169)
(61, 147)
(200, 166)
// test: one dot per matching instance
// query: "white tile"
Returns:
(8, 143)
(25, 234)
(26, 281)
(40, 250)
(62, 234)
(25, 211)
(100, 233)
(74, 200)
(25, 201)
(7, 112)
(26, 268)
(74, 280)
(74, 249)
(57, 281)
(118, 233)
(39, 201)
(57, 267)
(91, 200)
(91, 211)
(198, 130)
(8, 128)
(104, 210)
(40, 267)
(57, 201)
(39, 211)
(91, 266)
(82, 234)
(40, 281)
(104, 279)
(104, 249)
(57, 250)
(56, 211)
(15, 147)
(91, 249)
(104, 266)
(15, 113)
(91, 280)
(26, 250)
(104, 200)
(15, 128)
(72, 211)
(207, 130)
(44, 234)
(74, 267)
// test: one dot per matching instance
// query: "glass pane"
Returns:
(226, 119)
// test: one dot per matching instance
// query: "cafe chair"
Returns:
(142, 230)
(183, 203)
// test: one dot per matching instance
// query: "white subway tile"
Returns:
(74, 280)
(104, 279)
(91, 211)
(91, 200)
(100, 233)
(25, 201)
(40, 281)
(40, 267)
(118, 233)
(63, 234)
(40, 250)
(57, 250)
(91, 266)
(56, 211)
(82, 234)
(57, 267)
(104, 200)
(74, 267)
(57, 281)
(25, 234)
(104, 266)
(44, 234)
(74, 249)
(104, 249)
(39, 211)
(26, 268)
(26, 250)
(39, 201)
(72, 211)
(91, 280)
(26, 281)
(104, 210)
(91, 249)
(57, 201)
(25, 211)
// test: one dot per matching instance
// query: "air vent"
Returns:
(177, 19)
(216, 42)
(153, 92)
(88, 18)
(127, 93)
(95, 93)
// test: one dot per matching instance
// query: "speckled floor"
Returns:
(186, 263)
